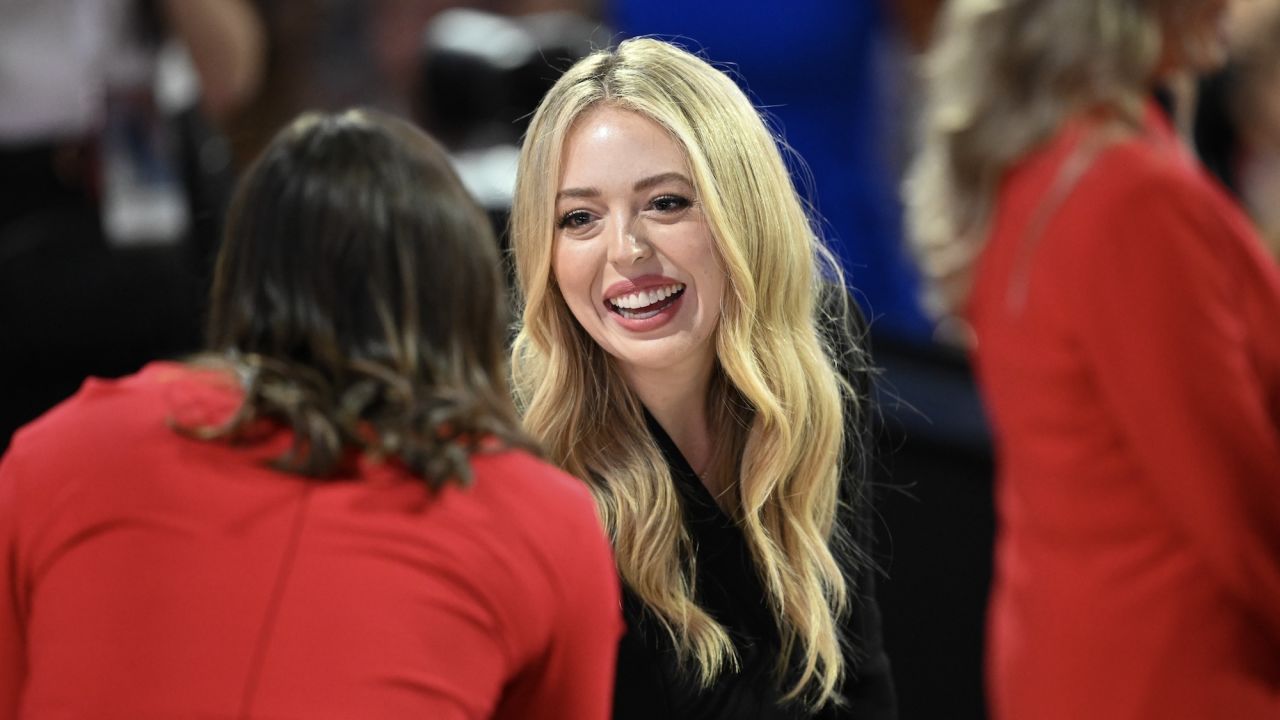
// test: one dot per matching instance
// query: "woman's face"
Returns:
(1195, 34)
(634, 256)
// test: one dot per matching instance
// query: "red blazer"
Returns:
(1129, 355)
(144, 575)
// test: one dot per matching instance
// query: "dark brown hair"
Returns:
(358, 294)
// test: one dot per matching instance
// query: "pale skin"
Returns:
(628, 215)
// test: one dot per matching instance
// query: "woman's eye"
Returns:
(669, 203)
(574, 219)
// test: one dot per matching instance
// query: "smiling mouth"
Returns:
(645, 304)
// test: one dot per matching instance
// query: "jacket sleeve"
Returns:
(868, 685)
(1168, 322)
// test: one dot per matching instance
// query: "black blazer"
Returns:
(650, 682)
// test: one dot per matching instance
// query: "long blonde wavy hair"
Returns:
(1002, 77)
(775, 400)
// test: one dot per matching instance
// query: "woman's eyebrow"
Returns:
(578, 193)
(642, 184)
(660, 178)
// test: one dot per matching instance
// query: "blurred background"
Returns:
(123, 124)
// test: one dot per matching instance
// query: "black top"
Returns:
(650, 682)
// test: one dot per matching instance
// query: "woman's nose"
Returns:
(628, 245)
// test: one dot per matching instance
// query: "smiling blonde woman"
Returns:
(673, 354)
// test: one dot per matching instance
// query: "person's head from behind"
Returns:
(659, 241)
(358, 290)
(1004, 75)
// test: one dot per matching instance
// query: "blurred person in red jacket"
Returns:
(1121, 312)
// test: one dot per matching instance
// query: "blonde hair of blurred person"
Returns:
(993, 101)
(775, 400)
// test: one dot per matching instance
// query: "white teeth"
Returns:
(634, 315)
(645, 298)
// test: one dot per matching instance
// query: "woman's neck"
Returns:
(679, 404)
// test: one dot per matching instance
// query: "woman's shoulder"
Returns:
(1099, 159)
(111, 441)
(525, 492)
(106, 412)
(1138, 167)
(520, 472)
(1143, 194)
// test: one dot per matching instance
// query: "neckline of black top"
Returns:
(700, 505)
